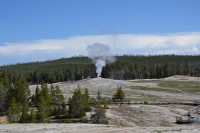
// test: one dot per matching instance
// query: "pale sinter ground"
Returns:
(125, 118)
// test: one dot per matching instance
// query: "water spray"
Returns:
(100, 55)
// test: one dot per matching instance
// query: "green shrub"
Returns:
(84, 120)
(68, 121)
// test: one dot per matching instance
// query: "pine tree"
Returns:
(86, 99)
(78, 104)
(47, 96)
(99, 97)
(43, 103)
(6, 81)
(33, 117)
(33, 100)
(45, 90)
(87, 94)
(43, 110)
(119, 94)
(13, 112)
(3, 98)
(37, 95)
(36, 76)
(22, 92)
(59, 100)
(25, 118)
(53, 92)
(99, 115)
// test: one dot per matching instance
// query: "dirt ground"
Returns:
(125, 118)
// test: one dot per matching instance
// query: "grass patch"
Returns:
(142, 88)
(144, 97)
(157, 131)
(137, 96)
(141, 97)
(165, 131)
(185, 86)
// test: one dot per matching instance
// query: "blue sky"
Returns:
(37, 30)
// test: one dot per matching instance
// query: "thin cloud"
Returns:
(192, 51)
(27, 48)
(167, 52)
(180, 43)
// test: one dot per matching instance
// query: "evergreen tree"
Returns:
(119, 94)
(37, 95)
(22, 92)
(99, 115)
(45, 90)
(43, 110)
(52, 77)
(33, 100)
(77, 73)
(78, 104)
(87, 94)
(59, 99)
(3, 98)
(47, 96)
(86, 97)
(13, 112)
(43, 101)
(6, 81)
(25, 114)
(36, 77)
(53, 93)
(99, 97)
(33, 117)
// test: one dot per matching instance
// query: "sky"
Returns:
(40, 30)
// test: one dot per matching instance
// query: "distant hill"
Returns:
(59, 63)
(125, 67)
(71, 62)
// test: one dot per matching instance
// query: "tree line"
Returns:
(126, 67)
(132, 70)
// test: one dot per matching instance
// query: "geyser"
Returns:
(100, 55)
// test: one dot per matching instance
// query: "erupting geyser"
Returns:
(100, 55)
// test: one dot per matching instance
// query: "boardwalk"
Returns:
(156, 103)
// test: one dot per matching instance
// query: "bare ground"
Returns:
(125, 118)
(91, 128)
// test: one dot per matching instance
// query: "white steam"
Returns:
(100, 55)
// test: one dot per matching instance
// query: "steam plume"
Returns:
(100, 55)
